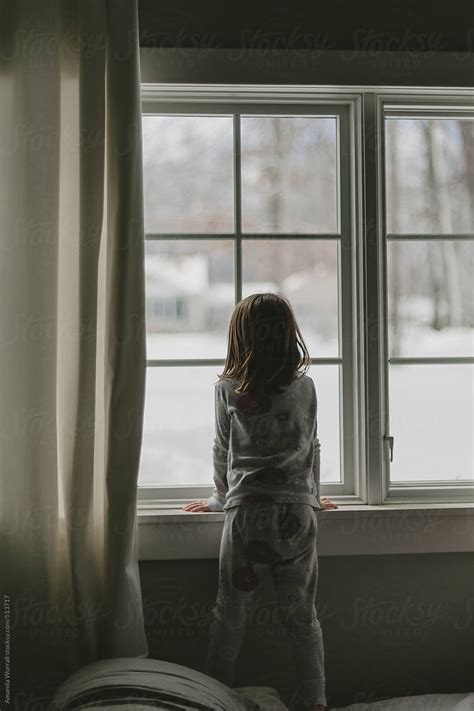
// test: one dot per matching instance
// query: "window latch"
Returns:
(389, 438)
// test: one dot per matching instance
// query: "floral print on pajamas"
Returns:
(276, 540)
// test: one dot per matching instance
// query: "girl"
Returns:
(266, 457)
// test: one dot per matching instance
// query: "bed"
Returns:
(146, 684)
(137, 684)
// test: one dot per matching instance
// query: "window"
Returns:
(280, 191)
(429, 217)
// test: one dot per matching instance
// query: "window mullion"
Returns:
(374, 306)
(348, 331)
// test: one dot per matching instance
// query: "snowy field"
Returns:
(431, 410)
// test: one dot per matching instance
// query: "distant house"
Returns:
(180, 297)
(313, 296)
(175, 289)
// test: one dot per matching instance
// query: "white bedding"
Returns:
(266, 698)
(146, 685)
(424, 702)
(151, 684)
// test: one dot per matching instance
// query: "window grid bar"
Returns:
(430, 112)
(430, 484)
(171, 362)
(432, 236)
(456, 360)
(240, 235)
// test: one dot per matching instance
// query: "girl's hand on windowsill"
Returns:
(326, 503)
(200, 505)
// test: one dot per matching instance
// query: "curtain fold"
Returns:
(72, 336)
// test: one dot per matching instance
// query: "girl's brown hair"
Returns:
(263, 341)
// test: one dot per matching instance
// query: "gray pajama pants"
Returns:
(277, 538)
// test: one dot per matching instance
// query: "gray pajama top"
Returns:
(266, 447)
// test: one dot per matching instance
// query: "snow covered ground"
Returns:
(431, 410)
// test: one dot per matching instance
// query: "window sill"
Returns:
(166, 532)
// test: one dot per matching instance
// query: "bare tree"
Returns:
(274, 170)
(394, 285)
(466, 129)
(444, 281)
(445, 222)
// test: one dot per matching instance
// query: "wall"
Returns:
(393, 625)
(426, 25)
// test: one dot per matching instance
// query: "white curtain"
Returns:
(72, 337)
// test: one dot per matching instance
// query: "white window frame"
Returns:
(365, 455)
(432, 106)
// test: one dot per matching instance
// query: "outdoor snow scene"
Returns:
(289, 186)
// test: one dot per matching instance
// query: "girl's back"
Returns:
(266, 446)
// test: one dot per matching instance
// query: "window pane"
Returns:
(189, 297)
(432, 421)
(326, 381)
(289, 174)
(430, 298)
(429, 166)
(188, 174)
(306, 272)
(178, 431)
